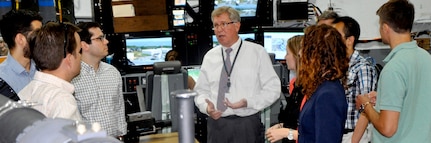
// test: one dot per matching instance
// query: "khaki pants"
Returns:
(366, 138)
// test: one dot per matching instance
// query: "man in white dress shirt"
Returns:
(234, 86)
(55, 50)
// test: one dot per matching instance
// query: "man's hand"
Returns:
(276, 126)
(361, 99)
(215, 114)
(276, 134)
(240, 104)
(373, 97)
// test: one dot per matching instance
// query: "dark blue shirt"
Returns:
(323, 116)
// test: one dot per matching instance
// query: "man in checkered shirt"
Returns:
(361, 79)
(99, 86)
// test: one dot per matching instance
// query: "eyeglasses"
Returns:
(66, 41)
(222, 25)
(101, 38)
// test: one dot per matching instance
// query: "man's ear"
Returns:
(350, 40)
(386, 27)
(67, 61)
(20, 39)
(237, 26)
(84, 46)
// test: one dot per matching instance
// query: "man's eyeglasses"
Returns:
(222, 25)
(101, 38)
(66, 40)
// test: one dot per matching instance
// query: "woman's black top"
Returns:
(290, 114)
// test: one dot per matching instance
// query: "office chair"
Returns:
(165, 78)
(270, 114)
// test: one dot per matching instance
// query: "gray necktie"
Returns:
(223, 88)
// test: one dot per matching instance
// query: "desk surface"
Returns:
(160, 138)
(2, 58)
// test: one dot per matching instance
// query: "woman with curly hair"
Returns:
(322, 74)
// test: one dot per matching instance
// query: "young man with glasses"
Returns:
(236, 82)
(55, 50)
(99, 86)
(18, 69)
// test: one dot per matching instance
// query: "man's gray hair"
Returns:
(233, 13)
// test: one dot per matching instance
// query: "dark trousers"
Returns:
(235, 129)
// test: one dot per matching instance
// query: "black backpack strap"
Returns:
(7, 91)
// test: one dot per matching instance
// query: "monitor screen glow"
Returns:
(146, 51)
(275, 42)
(194, 73)
(246, 8)
(180, 2)
(178, 17)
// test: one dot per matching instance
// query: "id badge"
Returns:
(226, 95)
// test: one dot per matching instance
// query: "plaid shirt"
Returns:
(361, 79)
(100, 98)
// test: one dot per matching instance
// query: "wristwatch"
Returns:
(290, 135)
(362, 107)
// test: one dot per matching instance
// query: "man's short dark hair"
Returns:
(328, 14)
(17, 21)
(398, 14)
(351, 27)
(47, 45)
(85, 33)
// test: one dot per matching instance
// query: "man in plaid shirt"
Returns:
(361, 79)
(98, 90)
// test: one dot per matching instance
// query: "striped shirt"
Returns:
(361, 79)
(99, 97)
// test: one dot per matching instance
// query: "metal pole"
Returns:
(185, 107)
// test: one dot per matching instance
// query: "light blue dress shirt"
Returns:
(15, 74)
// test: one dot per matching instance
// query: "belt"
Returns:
(346, 131)
(236, 117)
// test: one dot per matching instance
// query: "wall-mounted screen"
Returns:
(275, 42)
(242, 36)
(178, 18)
(146, 51)
(246, 8)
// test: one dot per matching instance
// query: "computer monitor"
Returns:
(246, 8)
(292, 10)
(143, 51)
(243, 36)
(276, 41)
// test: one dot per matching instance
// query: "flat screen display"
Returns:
(246, 8)
(146, 51)
(242, 36)
(275, 42)
(292, 11)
